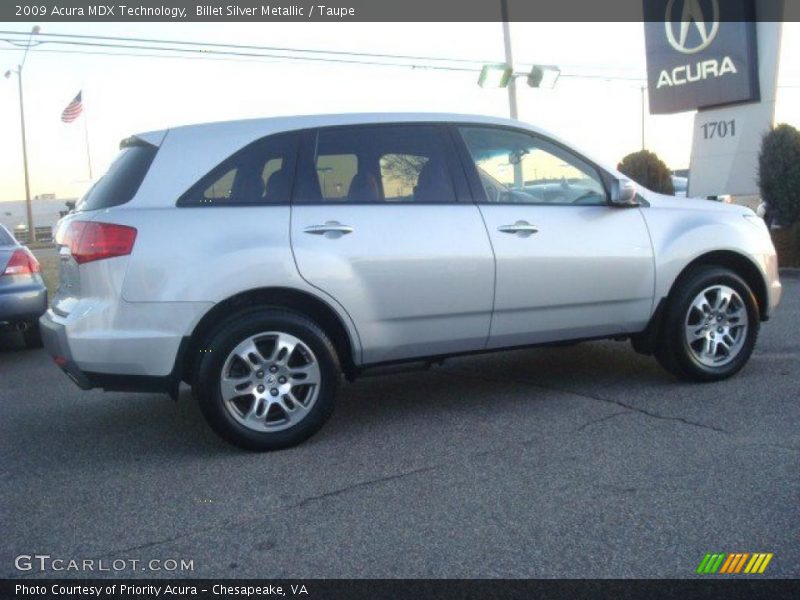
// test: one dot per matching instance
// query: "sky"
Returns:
(126, 95)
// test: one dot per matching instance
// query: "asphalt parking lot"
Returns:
(583, 461)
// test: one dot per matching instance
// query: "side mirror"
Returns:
(623, 193)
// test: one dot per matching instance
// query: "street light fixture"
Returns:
(18, 72)
(501, 75)
(495, 76)
(543, 77)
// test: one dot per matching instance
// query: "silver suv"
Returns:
(258, 261)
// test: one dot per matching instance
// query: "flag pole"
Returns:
(86, 136)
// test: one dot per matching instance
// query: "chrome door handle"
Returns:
(332, 227)
(522, 227)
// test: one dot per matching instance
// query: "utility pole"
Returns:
(512, 84)
(28, 207)
(18, 71)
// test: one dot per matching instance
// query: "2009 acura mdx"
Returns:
(259, 260)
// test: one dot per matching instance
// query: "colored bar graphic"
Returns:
(733, 562)
(703, 563)
(740, 564)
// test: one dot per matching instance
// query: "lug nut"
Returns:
(273, 369)
(260, 388)
(259, 374)
(281, 379)
(719, 329)
(273, 392)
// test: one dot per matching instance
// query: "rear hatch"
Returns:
(83, 238)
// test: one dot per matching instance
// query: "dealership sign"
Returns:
(700, 53)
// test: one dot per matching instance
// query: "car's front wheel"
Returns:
(267, 379)
(710, 325)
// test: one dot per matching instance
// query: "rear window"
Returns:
(122, 179)
(5, 237)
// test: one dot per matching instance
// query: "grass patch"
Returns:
(49, 261)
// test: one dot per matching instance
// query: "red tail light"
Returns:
(22, 262)
(89, 241)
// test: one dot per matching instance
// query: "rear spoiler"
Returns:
(151, 138)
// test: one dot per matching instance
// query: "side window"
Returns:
(515, 167)
(368, 164)
(259, 173)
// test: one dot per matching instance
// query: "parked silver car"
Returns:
(259, 260)
(23, 295)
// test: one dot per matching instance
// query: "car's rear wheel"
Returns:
(710, 325)
(267, 379)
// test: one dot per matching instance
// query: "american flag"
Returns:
(73, 110)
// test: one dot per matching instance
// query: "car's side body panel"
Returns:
(576, 277)
(418, 280)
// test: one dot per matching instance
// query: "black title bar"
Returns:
(351, 10)
(397, 589)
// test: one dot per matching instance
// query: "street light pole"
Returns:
(18, 71)
(28, 207)
(512, 84)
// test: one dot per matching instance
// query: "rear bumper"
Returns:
(54, 338)
(22, 304)
(56, 342)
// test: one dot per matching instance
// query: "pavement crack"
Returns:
(238, 523)
(601, 419)
(360, 484)
(619, 403)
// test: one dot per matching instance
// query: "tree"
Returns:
(646, 169)
(779, 173)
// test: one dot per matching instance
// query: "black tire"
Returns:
(673, 351)
(221, 342)
(32, 337)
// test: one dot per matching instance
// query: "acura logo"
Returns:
(691, 17)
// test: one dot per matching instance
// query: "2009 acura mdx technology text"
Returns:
(259, 260)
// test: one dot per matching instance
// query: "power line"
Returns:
(237, 50)
(313, 51)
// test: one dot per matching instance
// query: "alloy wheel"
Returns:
(715, 327)
(270, 381)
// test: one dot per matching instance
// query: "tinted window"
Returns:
(260, 173)
(122, 180)
(5, 237)
(376, 164)
(518, 168)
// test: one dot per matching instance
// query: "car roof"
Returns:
(298, 122)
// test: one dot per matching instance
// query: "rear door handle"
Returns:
(521, 227)
(334, 228)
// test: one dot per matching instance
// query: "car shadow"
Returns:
(151, 427)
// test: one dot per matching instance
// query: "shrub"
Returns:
(645, 168)
(779, 173)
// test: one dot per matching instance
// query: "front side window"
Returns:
(258, 174)
(397, 163)
(515, 167)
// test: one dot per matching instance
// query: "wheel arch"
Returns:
(645, 341)
(290, 299)
(740, 264)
